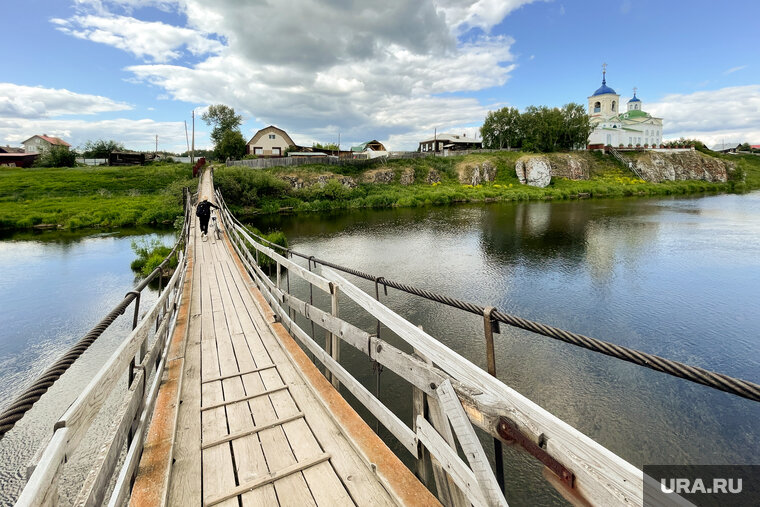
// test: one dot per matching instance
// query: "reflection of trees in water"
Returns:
(578, 233)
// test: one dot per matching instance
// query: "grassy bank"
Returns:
(92, 196)
(266, 191)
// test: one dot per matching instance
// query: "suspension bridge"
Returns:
(223, 404)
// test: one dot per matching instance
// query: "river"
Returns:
(55, 287)
(675, 277)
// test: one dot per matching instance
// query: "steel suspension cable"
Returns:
(26, 400)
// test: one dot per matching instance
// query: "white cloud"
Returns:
(18, 101)
(158, 41)
(735, 69)
(316, 67)
(712, 115)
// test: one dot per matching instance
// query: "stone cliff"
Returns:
(659, 166)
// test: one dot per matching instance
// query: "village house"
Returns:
(370, 149)
(449, 142)
(269, 142)
(38, 144)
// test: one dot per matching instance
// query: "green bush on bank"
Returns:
(150, 255)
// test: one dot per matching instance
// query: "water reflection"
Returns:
(675, 277)
(55, 287)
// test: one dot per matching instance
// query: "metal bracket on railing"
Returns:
(491, 326)
(137, 306)
(508, 431)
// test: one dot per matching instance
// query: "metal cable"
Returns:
(739, 387)
(26, 400)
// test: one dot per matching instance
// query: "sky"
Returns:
(352, 70)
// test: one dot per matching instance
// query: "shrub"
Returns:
(57, 156)
(150, 254)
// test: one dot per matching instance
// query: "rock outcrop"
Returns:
(384, 176)
(407, 176)
(433, 177)
(570, 166)
(535, 171)
(476, 174)
(297, 182)
(658, 166)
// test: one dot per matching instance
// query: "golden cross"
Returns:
(634, 91)
(604, 67)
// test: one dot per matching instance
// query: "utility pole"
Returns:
(435, 141)
(187, 139)
(192, 150)
(156, 152)
(339, 144)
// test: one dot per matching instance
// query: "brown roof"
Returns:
(271, 128)
(51, 140)
(10, 149)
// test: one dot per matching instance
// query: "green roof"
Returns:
(635, 113)
(361, 147)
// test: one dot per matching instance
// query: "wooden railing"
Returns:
(142, 365)
(448, 391)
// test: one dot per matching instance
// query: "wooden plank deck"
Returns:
(251, 429)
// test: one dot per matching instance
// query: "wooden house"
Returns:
(269, 142)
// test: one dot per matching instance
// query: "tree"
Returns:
(57, 156)
(328, 146)
(232, 145)
(100, 148)
(501, 129)
(223, 118)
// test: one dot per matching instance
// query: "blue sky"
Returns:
(129, 70)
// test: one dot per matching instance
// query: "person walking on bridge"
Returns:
(203, 212)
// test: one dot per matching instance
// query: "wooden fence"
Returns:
(143, 366)
(448, 392)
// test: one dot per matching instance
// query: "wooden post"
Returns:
(334, 340)
(448, 492)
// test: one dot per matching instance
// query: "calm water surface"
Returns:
(674, 277)
(677, 277)
(55, 287)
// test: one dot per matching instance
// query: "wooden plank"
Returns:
(273, 476)
(600, 476)
(470, 444)
(235, 356)
(46, 472)
(217, 465)
(132, 459)
(444, 481)
(294, 268)
(451, 462)
(351, 469)
(386, 417)
(243, 398)
(413, 370)
(93, 489)
(253, 430)
(239, 373)
(324, 485)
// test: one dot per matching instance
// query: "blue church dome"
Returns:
(634, 99)
(604, 89)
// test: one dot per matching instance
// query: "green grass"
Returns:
(262, 192)
(92, 196)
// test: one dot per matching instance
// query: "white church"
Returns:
(633, 128)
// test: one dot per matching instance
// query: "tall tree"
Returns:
(232, 145)
(100, 148)
(223, 118)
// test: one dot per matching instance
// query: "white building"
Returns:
(38, 144)
(632, 128)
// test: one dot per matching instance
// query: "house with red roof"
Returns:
(38, 144)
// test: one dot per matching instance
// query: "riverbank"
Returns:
(443, 180)
(79, 197)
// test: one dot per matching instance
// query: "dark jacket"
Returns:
(204, 208)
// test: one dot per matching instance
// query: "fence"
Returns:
(143, 364)
(448, 391)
